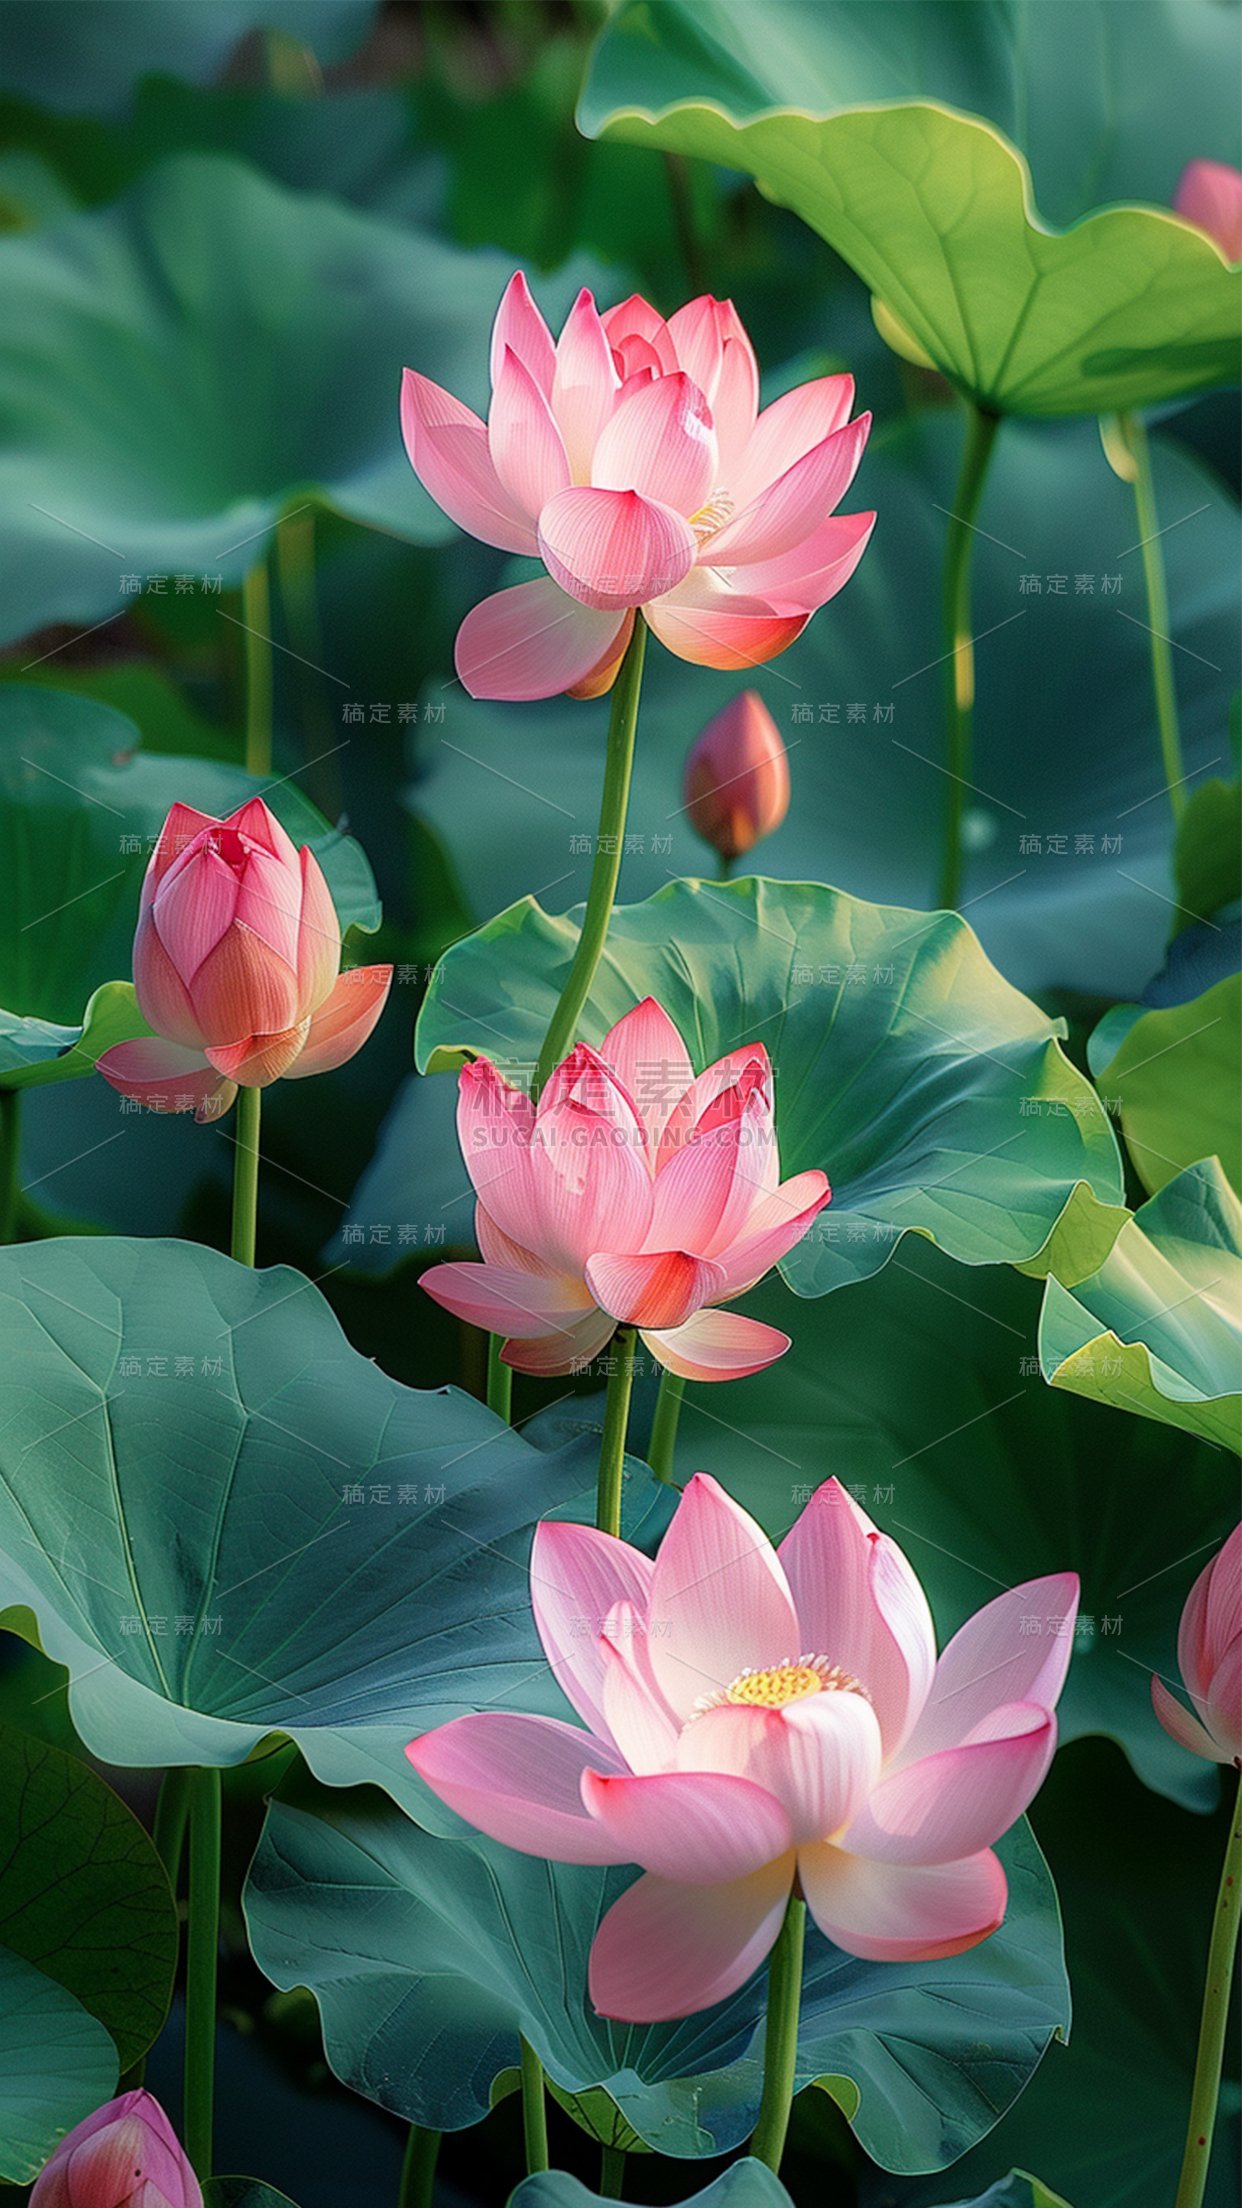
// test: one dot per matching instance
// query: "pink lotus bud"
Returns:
(1209, 1657)
(737, 777)
(1209, 194)
(237, 967)
(126, 2155)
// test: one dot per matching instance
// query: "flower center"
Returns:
(712, 516)
(772, 1688)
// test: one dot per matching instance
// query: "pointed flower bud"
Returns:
(737, 777)
(126, 2155)
(1209, 194)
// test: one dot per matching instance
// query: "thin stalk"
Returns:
(202, 1946)
(246, 1175)
(499, 1380)
(1205, 2092)
(1163, 682)
(780, 2046)
(534, 2110)
(959, 655)
(10, 1161)
(171, 1812)
(612, 2173)
(418, 2170)
(606, 865)
(612, 1447)
(663, 1441)
(257, 624)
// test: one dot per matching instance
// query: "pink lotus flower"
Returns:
(1209, 194)
(237, 967)
(1209, 1657)
(737, 777)
(631, 459)
(635, 1195)
(124, 2156)
(756, 1716)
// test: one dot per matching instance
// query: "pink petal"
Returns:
(344, 1020)
(1016, 1649)
(257, 824)
(269, 902)
(604, 673)
(860, 1604)
(258, 1060)
(524, 441)
(693, 1190)
(448, 451)
(318, 945)
(577, 1578)
(820, 1756)
(785, 514)
(1182, 1727)
(649, 1058)
(635, 320)
(652, 1288)
(709, 623)
(960, 1800)
(667, 1950)
(710, 1097)
(720, 1604)
(494, 1128)
(585, 384)
(659, 441)
(735, 400)
(532, 641)
(803, 580)
(553, 1354)
(520, 327)
(696, 1828)
(591, 1185)
(167, 1078)
(717, 1345)
(519, 1779)
(1209, 194)
(521, 1306)
(193, 909)
(1224, 1702)
(786, 430)
(243, 988)
(775, 1224)
(638, 1717)
(1211, 1616)
(699, 338)
(182, 828)
(902, 1912)
(612, 549)
(163, 998)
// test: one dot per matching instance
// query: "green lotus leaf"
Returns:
(745, 2184)
(57, 2064)
(428, 1955)
(251, 2192)
(1158, 1329)
(935, 1097)
(1172, 1078)
(80, 808)
(1208, 849)
(229, 1525)
(82, 1891)
(1018, 2190)
(92, 56)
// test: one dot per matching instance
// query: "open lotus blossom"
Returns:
(237, 967)
(630, 457)
(124, 2156)
(1209, 194)
(635, 1194)
(737, 777)
(1209, 1657)
(756, 1716)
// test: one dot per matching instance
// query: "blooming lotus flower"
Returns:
(631, 459)
(237, 967)
(1209, 1657)
(635, 1195)
(1209, 194)
(737, 777)
(754, 1716)
(124, 2156)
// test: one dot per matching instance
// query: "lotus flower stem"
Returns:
(959, 653)
(607, 862)
(418, 2170)
(663, 1440)
(780, 2045)
(1206, 2089)
(257, 623)
(202, 1943)
(612, 1447)
(612, 2173)
(246, 1175)
(171, 1811)
(1132, 435)
(499, 1380)
(534, 2110)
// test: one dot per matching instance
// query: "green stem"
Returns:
(418, 2170)
(1163, 683)
(1206, 2089)
(607, 862)
(299, 605)
(499, 1380)
(257, 624)
(662, 1445)
(616, 1419)
(202, 1944)
(534, 2110)
(246, 1175)
(981, 431)
(612, 2173)
(10, 1161)
(171, 1811)
(780, 2046)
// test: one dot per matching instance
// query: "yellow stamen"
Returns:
(772, 1688)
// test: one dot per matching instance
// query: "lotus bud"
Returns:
(1209, 194)
(126, 2155)
(737, 777)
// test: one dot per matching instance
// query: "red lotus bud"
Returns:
(737, 777)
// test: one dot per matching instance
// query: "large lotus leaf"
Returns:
(922, 1393)
(1106, 102)
(1067, 875)
(1171, 1075)
(251, 2192)
(745, 2184)
(1208, 852)
(80, 808)
(1158, 1328)
(936, 1098)
(57, 2064)
(250, 342)
(1018, 2190)
(82, 1891)
(429, 1954)
(89, 57)
(227, 1524)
